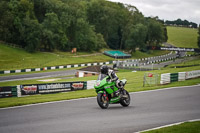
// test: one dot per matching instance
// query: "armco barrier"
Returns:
(181, 76)
(173, 77)
(165, 78)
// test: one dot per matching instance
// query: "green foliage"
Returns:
(180, 22)
(31, 31)
(198, 39)
(88, 25)
(155, 34)
(137, 37)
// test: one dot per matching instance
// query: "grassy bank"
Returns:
(187, 127)
(182, 37)
(14, 58)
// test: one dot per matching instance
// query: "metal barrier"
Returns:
(167, 78)
(144, 61)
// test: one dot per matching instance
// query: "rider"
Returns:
(113, 77)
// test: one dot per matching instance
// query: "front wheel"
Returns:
(103, 100)
(125, 100)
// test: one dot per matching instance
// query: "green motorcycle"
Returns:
(108, 92)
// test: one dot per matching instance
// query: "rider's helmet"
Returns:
(104, 69)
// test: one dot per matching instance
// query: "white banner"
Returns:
(165, 78)
(192, 74)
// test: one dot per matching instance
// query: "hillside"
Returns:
(182, 37)
(15, 58)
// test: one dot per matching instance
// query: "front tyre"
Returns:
(125, 100)
(102, 100)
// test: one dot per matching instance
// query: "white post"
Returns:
(19, 93)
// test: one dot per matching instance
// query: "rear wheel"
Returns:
(125, 100)
(103, 100)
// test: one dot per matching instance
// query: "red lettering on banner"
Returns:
(77, 85)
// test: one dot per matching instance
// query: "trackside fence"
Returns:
(150, 79)
(167, 78)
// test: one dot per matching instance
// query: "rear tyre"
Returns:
(102, 100)
(125, 100)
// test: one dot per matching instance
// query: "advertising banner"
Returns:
(6, 91)
(192, 74)
(78, 86)
(41, 88)
(174, 49)
(54, 87)
(29, 89)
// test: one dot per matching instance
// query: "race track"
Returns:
(147, 110)
(37, 75)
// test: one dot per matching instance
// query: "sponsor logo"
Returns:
(29, 89)
(178, 49)
(54, 86)
(78, 85)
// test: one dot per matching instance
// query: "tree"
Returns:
(137, 37)
(180, 22)
(32, 30)
(155, 34)
(199, 37)
(85, 24)
(51, 27)
(6, 22)
(165, 34)
(109, 20)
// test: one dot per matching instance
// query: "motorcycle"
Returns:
(109, 93)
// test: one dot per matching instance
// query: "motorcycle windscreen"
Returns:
(101, 76)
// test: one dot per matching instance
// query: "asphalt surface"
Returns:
(37, 75)
(147, 110)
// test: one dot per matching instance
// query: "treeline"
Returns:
(183, 23)
(198, 39)
(87, 25)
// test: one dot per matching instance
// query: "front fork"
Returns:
(104, 96)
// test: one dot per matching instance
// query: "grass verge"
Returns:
(187, 127)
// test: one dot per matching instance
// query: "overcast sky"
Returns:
(168, 9)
